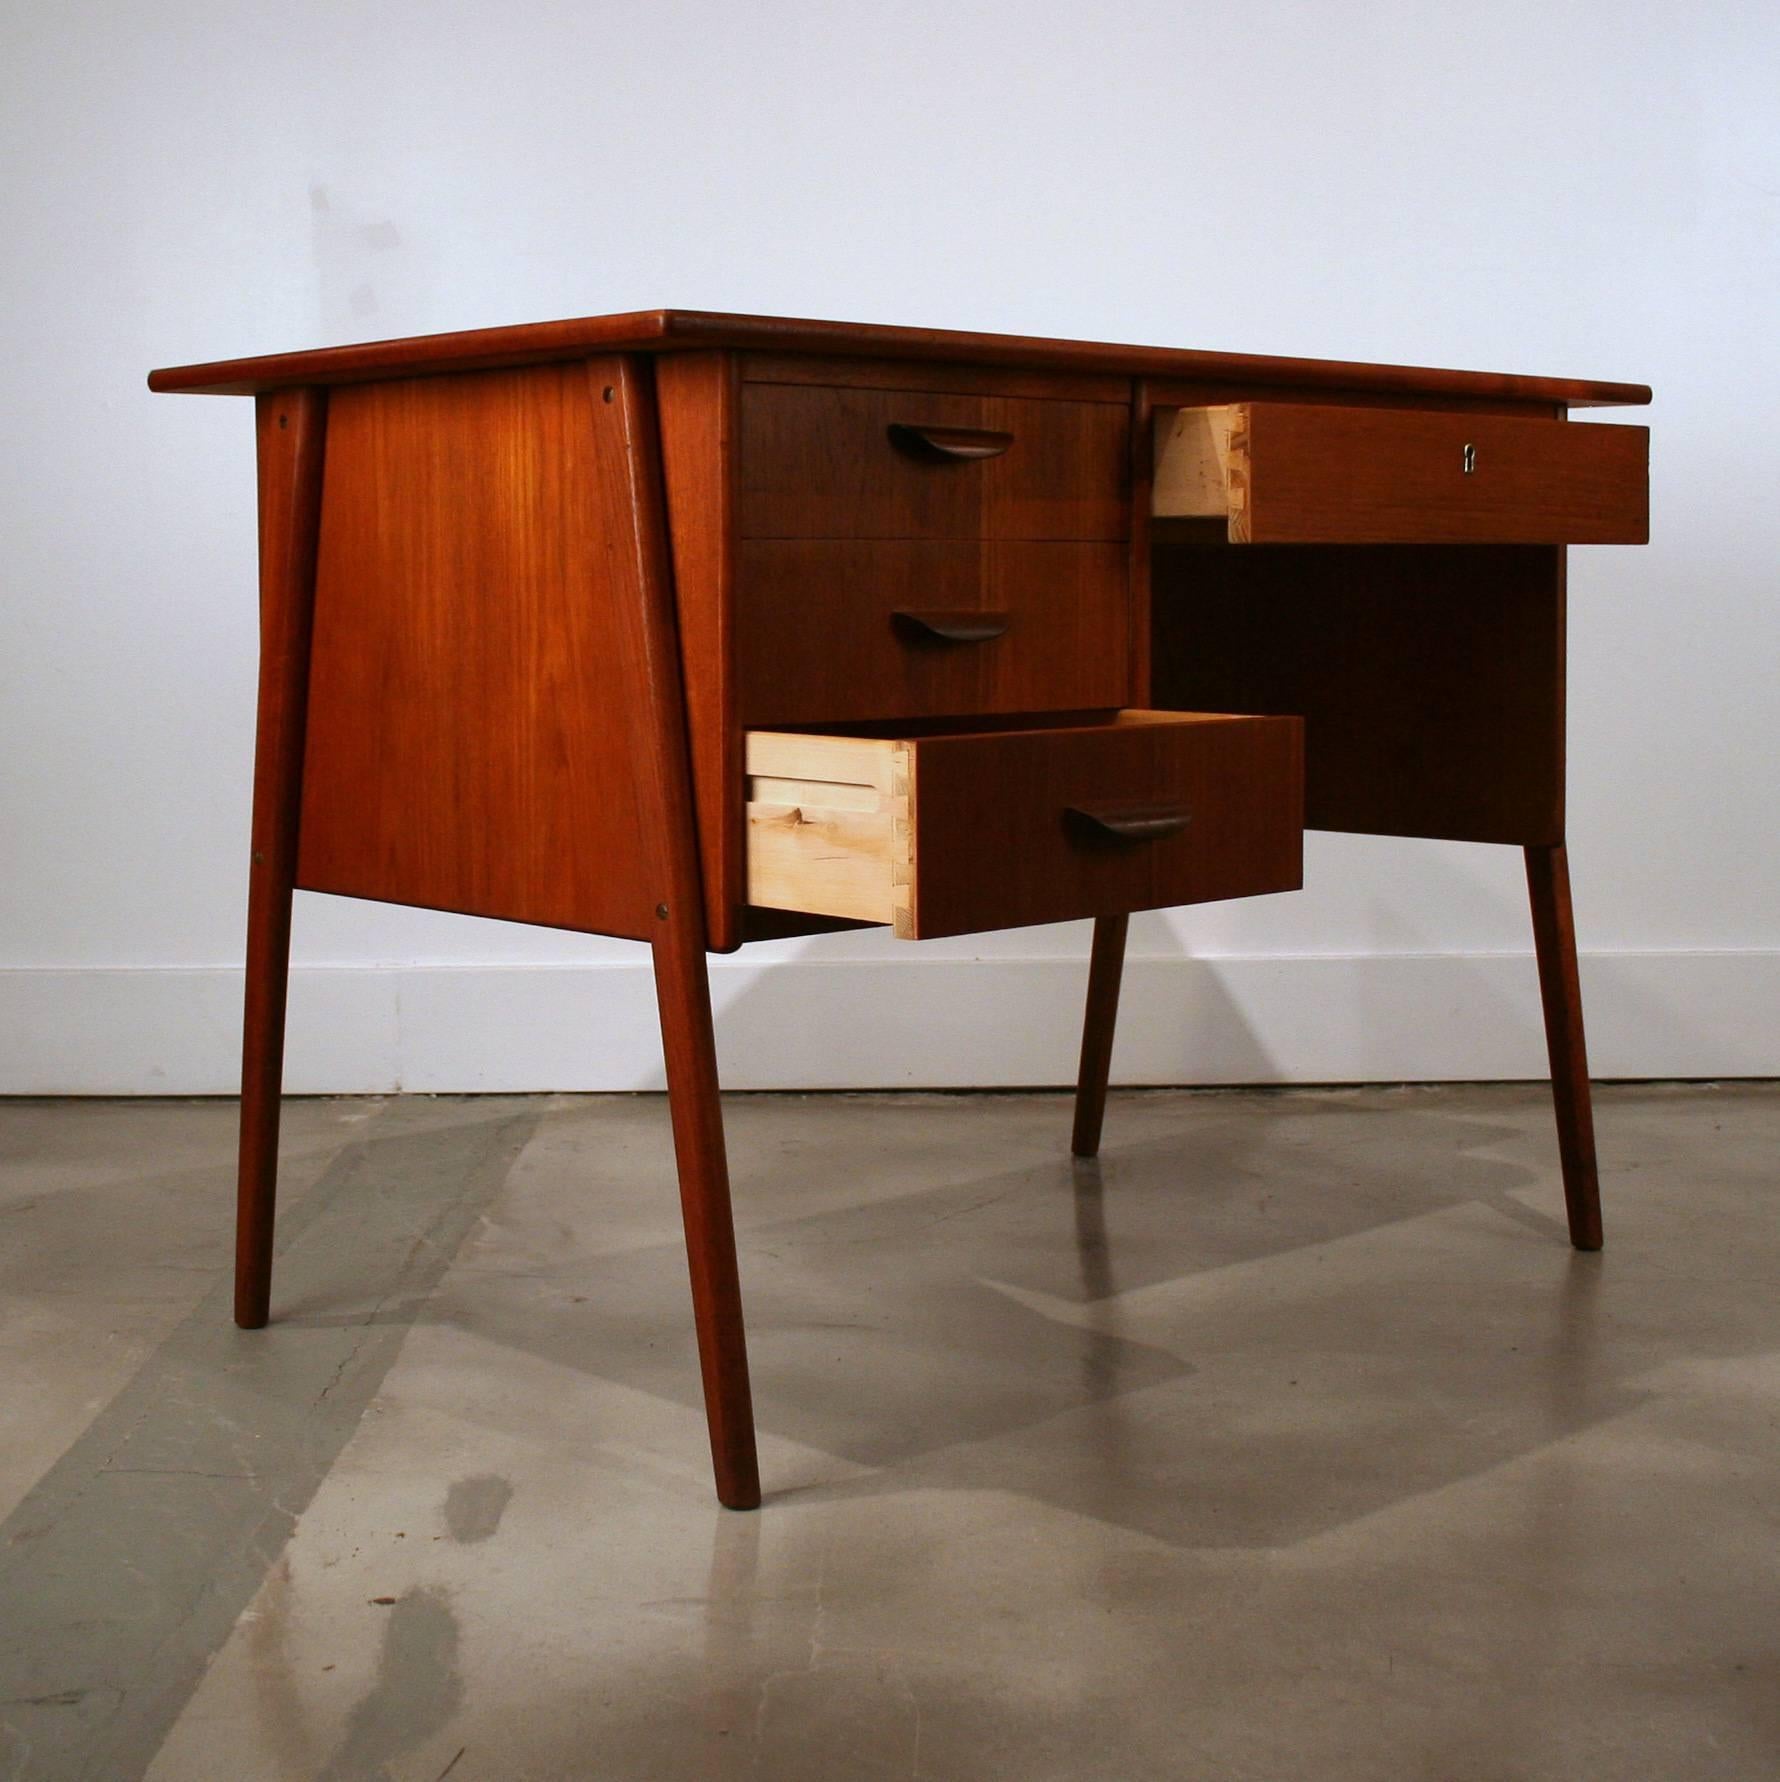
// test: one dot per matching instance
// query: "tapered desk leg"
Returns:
(682, 988)
(290, 427)
(1560, 986)
(1105, 968)
(682, 984)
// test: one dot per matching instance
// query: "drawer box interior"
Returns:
(960, 829)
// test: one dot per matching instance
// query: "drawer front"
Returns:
(819, 462)
(957, 833)
(833, 631)
(1286, 473)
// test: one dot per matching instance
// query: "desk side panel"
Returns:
(476, 710)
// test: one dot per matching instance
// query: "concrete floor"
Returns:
(1290, 1442)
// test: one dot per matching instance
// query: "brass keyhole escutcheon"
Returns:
(1469, 459)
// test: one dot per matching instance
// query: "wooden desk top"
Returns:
(682, 330)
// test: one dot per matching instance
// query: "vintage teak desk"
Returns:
(699, 628)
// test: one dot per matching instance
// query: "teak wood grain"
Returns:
(819, 639)
(991, 825)
(679, 330)
(942, 834)
(845, 463)
(929, 375)
(290, 430)
(607, 623)
(1286, 473)
(1560, 989)
(474, 721)
(1106, 965)
(1138, 549)
(634, 514)
(696, 402)
(1430, 678)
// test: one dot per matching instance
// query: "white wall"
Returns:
(1580, 189)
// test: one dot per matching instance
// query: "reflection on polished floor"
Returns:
(1290, 1440)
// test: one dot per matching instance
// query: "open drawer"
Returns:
(966, 829)
(1306, 473)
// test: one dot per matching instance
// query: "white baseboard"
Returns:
(914, 1023)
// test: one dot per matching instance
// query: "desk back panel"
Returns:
(476, 706)
(1430, 677)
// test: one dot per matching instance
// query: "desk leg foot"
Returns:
(1105, 968)
(289, 430)
(1560, 987)
(683, 991)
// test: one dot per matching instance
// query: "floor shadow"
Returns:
(1201, 1337)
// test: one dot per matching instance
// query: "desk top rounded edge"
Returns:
(679, 330)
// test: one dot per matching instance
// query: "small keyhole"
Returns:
(1470, 459)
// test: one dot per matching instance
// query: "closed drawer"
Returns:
(1285, 473)
(817, 462)
(832, 631)
(960, 831)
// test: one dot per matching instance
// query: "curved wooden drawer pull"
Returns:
(1127, 822)
(949, 627)
(937, 445)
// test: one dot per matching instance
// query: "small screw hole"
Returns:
(607, 393)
